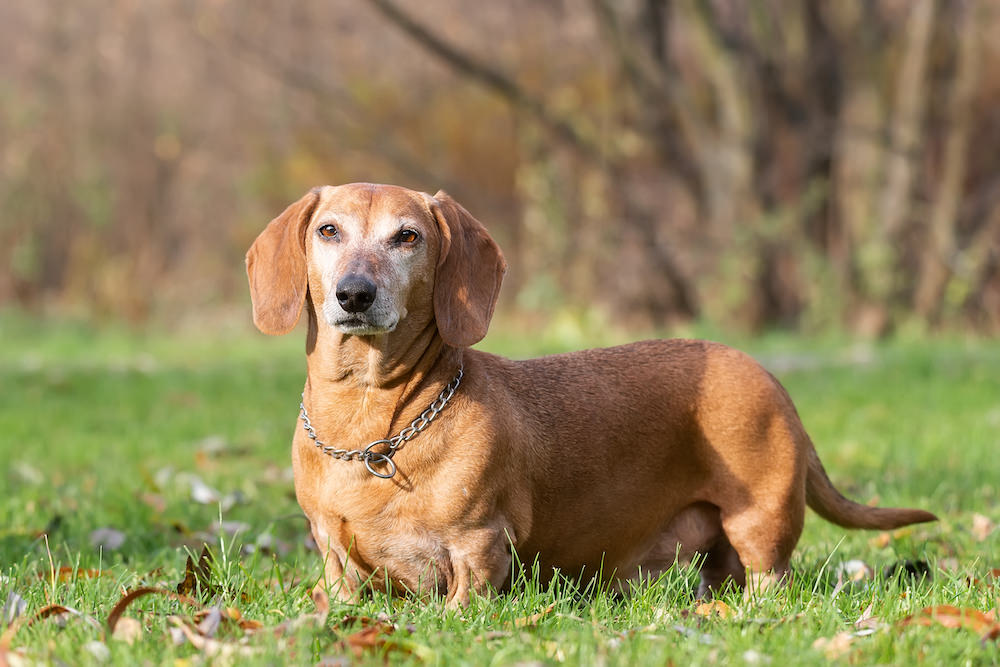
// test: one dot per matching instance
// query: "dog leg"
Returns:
(764, 542)
(480, 570)
(333, 580)
(722, 568)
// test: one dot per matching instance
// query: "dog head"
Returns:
(370, 256)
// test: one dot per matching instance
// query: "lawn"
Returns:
(124, 455)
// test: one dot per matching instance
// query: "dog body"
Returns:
(614, 462)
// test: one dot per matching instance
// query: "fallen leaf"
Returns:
(982, 623)
(201, 492)
(127, 630)
(198, 576)
(12, 608)
(246, 624)
(56, 611)
(714, 608)
(207, 645)
(867, 620)
(372, 638)
(982, 526)
(880, 541)
(232, 499)
(883, 539)
(66, 573)
(836, 646)
(533, 619)
(230, 528)
(854, 571)
(107, 539)
(99, 650)
(116, 613)
(154, 501)
(209, 625)
(209, 620)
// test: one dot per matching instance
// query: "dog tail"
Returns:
(828, 502)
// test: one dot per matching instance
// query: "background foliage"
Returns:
(766, 163)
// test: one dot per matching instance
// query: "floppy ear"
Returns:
(276, 267)
(469, 272)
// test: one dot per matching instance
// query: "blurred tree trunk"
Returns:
(941, 243)
(883, 276)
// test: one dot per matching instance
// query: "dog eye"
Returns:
(327, 231)
(407, 237)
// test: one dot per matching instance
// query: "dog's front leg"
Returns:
(480, 564)
(333, 580)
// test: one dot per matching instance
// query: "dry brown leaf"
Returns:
(131, 596)
(127, 630)
(66, 573)
(853, 571)
(250, 625)
(880, 541)
(533, 619)
(154, 501)
(372, 638)
(982, 526)
(209, 646)
(982, 623)
(836, 646)
(209, 624)
(292, 625)
(883, 539)
(198, 576)
(208, 620)
(714, 608)
(57, 611)
(868, 620)
(246, 624)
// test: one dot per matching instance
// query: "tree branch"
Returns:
(494, 79)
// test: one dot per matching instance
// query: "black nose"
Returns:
(355, 293)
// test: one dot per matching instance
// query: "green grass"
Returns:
(110, 429)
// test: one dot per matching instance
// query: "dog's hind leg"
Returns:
(721, 568)
(763, 540)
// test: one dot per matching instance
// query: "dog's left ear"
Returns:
(470, 270)
(276, 267)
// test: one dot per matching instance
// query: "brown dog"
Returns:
(613, 462)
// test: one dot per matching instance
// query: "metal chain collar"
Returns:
(373, 458)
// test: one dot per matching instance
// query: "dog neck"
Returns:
(375, 375)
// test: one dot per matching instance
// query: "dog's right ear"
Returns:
(276, 267)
